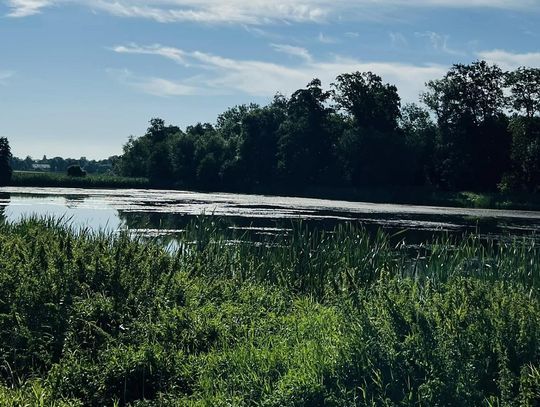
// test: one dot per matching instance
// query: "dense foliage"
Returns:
(315, 319)
(76, 171)
(49, 179)
(480, 132)
(5, 161)
(59, 164)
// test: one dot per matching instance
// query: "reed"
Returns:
(311, 318)
(47, 179)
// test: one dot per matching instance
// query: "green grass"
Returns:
(398, 195)
(49, 179)
(428, 196)
(313, 319)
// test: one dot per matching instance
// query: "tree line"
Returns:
(477, 128)
(59, 164)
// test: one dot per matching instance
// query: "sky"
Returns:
(78, 77)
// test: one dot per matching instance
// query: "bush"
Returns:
(76, 171)
(335, 319)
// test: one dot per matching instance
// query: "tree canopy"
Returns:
(478, 130)
(5, 161)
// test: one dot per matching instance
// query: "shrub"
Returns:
(76, 171)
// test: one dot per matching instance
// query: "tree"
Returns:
(5, 161)
(371, 145)
(372, 103)
(524, 84)
(473, 92)
(159, 165)
(420, 133)
(76, 171)
(134, 161)
(305, 147)
(230, 127)
(525, 154)
(157, 131)
(149, 156)
(183, 159)
(258, 149)
(474, 144)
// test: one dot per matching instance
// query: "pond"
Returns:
(166, 213)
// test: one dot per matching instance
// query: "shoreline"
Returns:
(421, 196)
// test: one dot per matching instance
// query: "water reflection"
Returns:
(81, 212)
(74, 201)
(4, 202)
(412, 229)
(167, 213)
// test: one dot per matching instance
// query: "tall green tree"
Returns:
(372, 103)
(258, 150)
(524, 84)
(524, 100)
(305, 147)
(210, 154)
(230, 126)
(371, 145)
(135, 157)
(420, 134)
(5, 161)
(149, 156)
(183, 159)
(525, 173)
(474, 145)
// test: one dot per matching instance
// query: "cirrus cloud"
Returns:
(255, 12)
(5, 76)
(222, 75)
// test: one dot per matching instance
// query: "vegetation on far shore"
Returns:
(408, 195)
(50, 179)
(477, 130)
(311, 319)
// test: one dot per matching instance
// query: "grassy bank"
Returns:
(49, 179)
(427, 196)
(317, 319)
(397, 195)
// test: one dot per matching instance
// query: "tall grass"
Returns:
(325, 264)
(313, 318)
(47, 179)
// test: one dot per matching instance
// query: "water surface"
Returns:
(160, 212)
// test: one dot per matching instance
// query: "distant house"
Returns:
(41, 167)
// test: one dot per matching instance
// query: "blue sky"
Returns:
(78, 77)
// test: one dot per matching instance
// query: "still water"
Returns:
(159, 212)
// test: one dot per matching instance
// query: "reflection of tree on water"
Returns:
(73, 201)
(4, 202)
(153, 220)
(413, 229)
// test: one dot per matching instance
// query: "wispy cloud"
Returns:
(325, 39)
(173, 54)
(255, 12)
(398, 39)
(25, 8)
(152, 85)
(352, 34)
(439, 42)
(5, 76)
(293, 50)
(259, 78)
(510, 61)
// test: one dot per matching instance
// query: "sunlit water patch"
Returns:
(155, 213)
